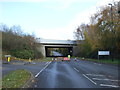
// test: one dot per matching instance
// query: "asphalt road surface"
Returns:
(76, 74)
(34, 67)
(57, 53)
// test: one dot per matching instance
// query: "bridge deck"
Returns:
(56, 42)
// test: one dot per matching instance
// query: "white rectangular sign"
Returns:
(103, 52)
(7, 55)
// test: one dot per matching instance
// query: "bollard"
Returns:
(29, 59)
(8, 58)
(69, 57)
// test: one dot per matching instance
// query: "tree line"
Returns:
(19, 44)
(103, 33)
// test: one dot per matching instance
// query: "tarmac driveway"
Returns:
(33, 67)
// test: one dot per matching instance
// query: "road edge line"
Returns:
(42, 70)
(89, 79)
(76, 69)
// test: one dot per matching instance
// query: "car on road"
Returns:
(65, 59)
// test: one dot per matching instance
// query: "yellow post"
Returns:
(29, 59)
(69, 57)
(8, 59)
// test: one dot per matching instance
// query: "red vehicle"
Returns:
(66, 59)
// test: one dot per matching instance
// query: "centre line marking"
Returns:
(42, 70)
(76, 70)
(109, 85)
(90, 79)
(97, 64)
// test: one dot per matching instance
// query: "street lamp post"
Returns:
(119, 7)
(111, 13)
(111, 27)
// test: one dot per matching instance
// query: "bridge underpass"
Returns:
(48, 44)
(68, 50)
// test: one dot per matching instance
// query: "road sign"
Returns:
(7, 55)
(103, 52)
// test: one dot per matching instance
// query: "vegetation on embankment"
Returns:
(109, 61)
(101, 34)
(15, 79)
(19, 44)
(106, 61)
(46, 59)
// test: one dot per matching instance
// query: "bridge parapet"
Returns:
(56, 42)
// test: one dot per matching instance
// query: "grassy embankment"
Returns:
(46, 59)
(19, 59)
(107, 61)
(15, 79)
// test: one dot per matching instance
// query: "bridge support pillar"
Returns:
(42, 50)
(76, 50)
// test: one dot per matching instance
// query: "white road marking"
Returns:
(89, 79)
(46, 63)
(97, 64)
(94, 75)
(35, 86)
(42, 69)
(109, 85)
(76, 70)
(105, 79)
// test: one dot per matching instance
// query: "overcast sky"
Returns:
(49, 19)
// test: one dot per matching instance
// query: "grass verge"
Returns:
(45, 59)
(116, 62)
(15, 79)
(107, 61)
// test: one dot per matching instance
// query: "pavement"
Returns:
(69, 74)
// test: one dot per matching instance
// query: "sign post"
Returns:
(98, 57)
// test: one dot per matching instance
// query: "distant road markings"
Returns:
(42, 69)
(94, 75)
(46, 63)
(105, 79)
(89, 79)
(35, 86)
(105, 85)
(76, 69)
(109, 85)
(97, 64)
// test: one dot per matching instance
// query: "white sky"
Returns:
(49, 19)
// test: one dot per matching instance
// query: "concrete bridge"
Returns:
(48, 43)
